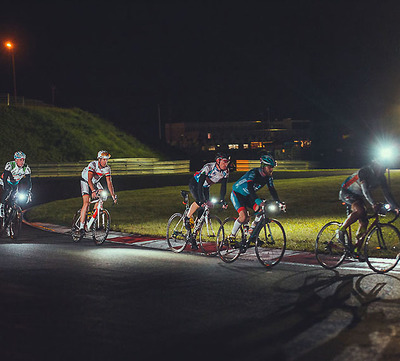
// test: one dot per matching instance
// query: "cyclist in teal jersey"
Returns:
(244, 194)
(355, 189)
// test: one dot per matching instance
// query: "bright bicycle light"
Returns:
(273, 208)
(22, 197)
(214, 200)
(103, 195)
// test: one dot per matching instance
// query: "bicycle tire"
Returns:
(16, 224)
(329, 251)
(229, 250)
(75, 227)
(177, 234)
(382, 248)
(270, 243)
(208, 235)
(101, 227)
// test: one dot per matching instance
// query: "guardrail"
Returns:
(245, 165)
(124, 166)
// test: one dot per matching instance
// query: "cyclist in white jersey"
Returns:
(14, 172)
(200, 183)
(90, 183)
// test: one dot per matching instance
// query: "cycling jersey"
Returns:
(13, 174)
(213, 174)
(252, 181)
(361, 182)
(98, 173)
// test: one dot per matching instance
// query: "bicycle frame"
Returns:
(95, 213)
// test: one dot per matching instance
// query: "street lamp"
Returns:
(10, 46)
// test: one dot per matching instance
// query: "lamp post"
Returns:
(10, 46)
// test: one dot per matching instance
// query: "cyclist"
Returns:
(91, 186)
(353, 191)
(200, 183)
(14, 172)
(244, 194)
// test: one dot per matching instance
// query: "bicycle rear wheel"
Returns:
(101, 227)
(208, 235)
(177, 234)
(382, 248)
(229, 249)
(16, 224)
(75, 227)
(330, 252)
(271, 243)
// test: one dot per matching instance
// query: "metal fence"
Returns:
(123, 166)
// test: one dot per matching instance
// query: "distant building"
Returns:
(286, 138)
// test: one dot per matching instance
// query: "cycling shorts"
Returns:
(199, 196)
(85, 187)
(240, 202)
(349, 197)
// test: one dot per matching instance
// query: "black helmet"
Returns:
(222, 156)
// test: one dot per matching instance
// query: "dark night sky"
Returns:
(328, 61)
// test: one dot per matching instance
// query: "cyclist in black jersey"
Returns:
(355, 189)
(200, 183)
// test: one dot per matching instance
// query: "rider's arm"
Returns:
(223, 189)
(367, 193)
(110, 186)
(388, 194)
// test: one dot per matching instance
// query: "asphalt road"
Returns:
(66, 301)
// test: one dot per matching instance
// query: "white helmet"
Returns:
(103, 154)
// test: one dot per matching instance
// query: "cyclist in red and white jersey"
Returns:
(355, 189)
(14, 172)
(90, 183)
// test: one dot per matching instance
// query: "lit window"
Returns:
(208, 135)
(245, 146)
(233, 146)
(211, 147)
(255, 145)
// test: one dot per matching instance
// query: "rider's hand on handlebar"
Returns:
(282, 206)
(377, 207)
(115, 198)
(224, 205)
(94, 194)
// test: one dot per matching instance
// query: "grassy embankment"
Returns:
(311, 202)
(50, 135)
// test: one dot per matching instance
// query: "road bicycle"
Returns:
(204, 229)
(12, 222)
(267, 235)
(381, 248)
(98, 221)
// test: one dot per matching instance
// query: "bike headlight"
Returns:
(103, 195)
(272, 208)
(22, 197)
(214, 200)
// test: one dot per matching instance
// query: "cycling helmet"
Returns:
(267, 160)
(103, 154)
(222, 156)
(19, 155)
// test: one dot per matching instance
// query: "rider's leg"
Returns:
(357, 212)
(241, 219)
(84, 209)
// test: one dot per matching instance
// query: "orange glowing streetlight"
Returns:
(10, 46)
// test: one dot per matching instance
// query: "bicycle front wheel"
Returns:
(228, 249)
(101, 227)
(75, 226)
(177, 234)
(271, 243)
(382, 248)
(16, 224)
(330, 252)
(208, 235)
